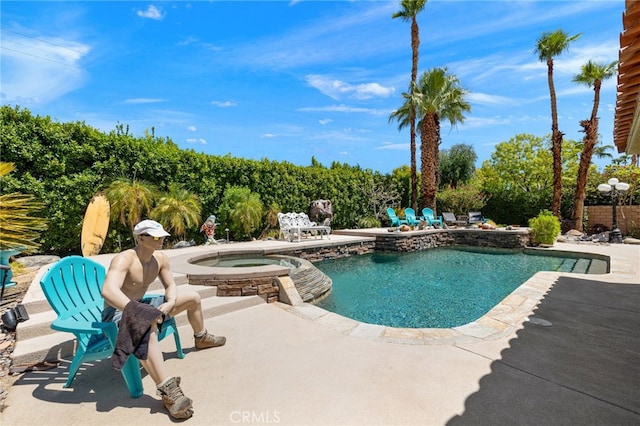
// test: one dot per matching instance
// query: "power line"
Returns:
(44, 41)
(40, 57)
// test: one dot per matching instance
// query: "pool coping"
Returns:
(506, 318)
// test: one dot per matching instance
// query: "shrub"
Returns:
(545, 228)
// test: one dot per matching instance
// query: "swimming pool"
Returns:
(435, 288)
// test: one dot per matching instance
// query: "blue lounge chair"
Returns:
(431, 218)
(395, 220)
(73, 287)
(410, 216)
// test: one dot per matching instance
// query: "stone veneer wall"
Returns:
(405, 241)
(268, 289)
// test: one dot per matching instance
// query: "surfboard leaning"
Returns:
(95, 225)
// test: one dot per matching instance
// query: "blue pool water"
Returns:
(436, 288)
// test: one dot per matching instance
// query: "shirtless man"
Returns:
(129, 276)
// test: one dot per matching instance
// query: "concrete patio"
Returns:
(572, 359)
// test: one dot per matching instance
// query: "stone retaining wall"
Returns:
(409, 241)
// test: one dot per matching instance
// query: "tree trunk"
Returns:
(430, 136)
(415, 44)
(556, 145)
(590, 139)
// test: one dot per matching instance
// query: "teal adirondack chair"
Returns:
(410, 216)
(395, 220)
(73, 287)
(430, 217)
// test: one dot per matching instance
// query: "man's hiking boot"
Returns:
(209, 341)
(178, 405)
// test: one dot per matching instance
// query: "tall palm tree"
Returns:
(178, 210)
(592, 74)
(129, 199)
(438, 96)
(410, 9)
(548, 46)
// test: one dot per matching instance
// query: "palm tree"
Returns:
(438, 96)
(548, 46)
(178, 210)
(410, 9)
(592, 74)
(247, 212)
(129, 199)
(271, 217)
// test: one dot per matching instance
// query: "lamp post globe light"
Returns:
(615, 188)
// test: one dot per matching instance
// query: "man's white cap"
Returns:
(150, 227)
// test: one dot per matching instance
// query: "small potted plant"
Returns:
(544, 229)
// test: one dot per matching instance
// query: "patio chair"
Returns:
(431, 218)
(395, 220)
(476, 217)
(410, 217)
(73, 287)
(450, 219)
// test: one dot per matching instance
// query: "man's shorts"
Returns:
(111, 314)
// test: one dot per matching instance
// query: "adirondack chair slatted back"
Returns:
(73, 289)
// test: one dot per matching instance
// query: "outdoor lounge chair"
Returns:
(395, 220)
(410, 217)
(476, 217)
(450, 219)
(73, 288)
(431, 218)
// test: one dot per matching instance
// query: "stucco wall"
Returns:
(628, 217)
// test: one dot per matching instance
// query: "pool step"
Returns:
(584, 266)
(567, 265)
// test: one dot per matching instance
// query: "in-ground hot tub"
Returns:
(249, 273)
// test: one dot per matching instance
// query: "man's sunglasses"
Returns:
(154, 238)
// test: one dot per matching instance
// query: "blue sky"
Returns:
(288, 80)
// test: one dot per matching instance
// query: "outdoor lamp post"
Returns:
(615, 188)
(227, 231)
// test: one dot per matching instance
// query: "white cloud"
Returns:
(152, 12)
(197, 141)
(343, 108)
(223, 104)
(37, 69)
(325, 121)
(268, 135)
(484, 98)
(335, 89)
(191, 128)
(394, 146)
(143, 100)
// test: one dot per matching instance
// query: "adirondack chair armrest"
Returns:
(73, 326)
